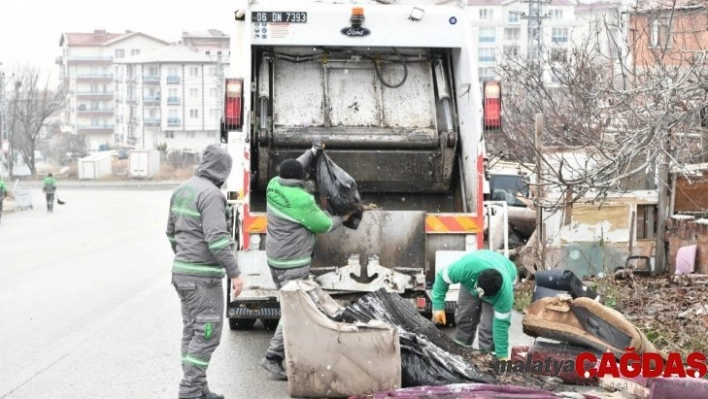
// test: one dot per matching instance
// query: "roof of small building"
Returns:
(492, 3)
(653, 5)
(99, 38)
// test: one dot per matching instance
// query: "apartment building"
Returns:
(171, 96)
(501, 31)
(86, 72)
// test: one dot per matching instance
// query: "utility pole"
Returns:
(219, 92)
(540, 233)
(535, 35)
(4, 134)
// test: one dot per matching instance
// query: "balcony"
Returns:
(153, 122)
(94, 76)
(151, 99)
(173, 122)
(131, 79)
(173, 100)
(89, 58)
(131, 100)
(151, 79)
(95, 110)
(85, 129)
(173, 80)
(94, 94)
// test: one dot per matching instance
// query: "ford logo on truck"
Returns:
(355, 32)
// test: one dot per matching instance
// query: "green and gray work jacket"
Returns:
(294, 220)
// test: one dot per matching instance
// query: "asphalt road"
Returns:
(88, 310)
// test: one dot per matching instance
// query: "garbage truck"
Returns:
(391, 89)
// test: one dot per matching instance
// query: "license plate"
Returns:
(297, 17)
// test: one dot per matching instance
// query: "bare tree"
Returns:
(626, 114)
(32, 104)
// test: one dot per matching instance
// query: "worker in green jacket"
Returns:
(49, 188)
(294, 220)
(486, 295)
(3, 194)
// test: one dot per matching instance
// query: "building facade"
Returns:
(87, 75)
(172, 96)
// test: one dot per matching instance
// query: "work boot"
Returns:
(212, 395)
(275, 368)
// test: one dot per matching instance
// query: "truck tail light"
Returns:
(233, 107)
(492, 105)
(420, 302)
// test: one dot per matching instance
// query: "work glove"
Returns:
(317, 145)
(439, 317)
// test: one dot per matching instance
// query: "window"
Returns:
(94, 105)
(513, 17)
(212, 71)
(486, 35)
(559, 55)
(646, 221)
(152, 113)
(486, 73)
(94, 121)
(194, 113)
(486, 14)
(172, 113)
(191, 135)
(556, 14)
(213, 93)
(135, 51)
(194, 92)
(152, 71)
(511, 51)
(105, 88)
(119, 53)
(559, 35)
(172, 71)
(194, 71)
(654, 38)
(512, 34)
(169, 134)
(486, 54)
(172, 92)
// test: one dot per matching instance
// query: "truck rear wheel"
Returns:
(270, 324)
(241, 324)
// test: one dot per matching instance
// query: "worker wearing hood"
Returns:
(197, 229)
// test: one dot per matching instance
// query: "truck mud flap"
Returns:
(269, 313)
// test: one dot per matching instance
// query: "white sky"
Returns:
(30, 29)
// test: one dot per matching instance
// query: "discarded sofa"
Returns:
(328, 358)
(584, 322)
(469, 391)
(561, 353)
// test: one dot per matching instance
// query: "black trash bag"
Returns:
(564, 280)
(428, 357)
(337, 190)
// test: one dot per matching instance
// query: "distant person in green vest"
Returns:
(3, 194)
(49, 188)
(294, 220)
(485, 299)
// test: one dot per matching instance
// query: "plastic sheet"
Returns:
(427, 355)
(338, 191)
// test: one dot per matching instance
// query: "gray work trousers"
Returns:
(202, 317)
(276, 349)
(50, 201)
(470, 313)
